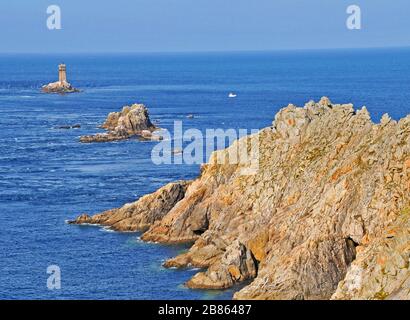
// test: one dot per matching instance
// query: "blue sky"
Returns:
(200, 25)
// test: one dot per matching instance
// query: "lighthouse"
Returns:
(61, 86)
(62, 76)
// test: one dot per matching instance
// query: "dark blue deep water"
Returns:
(47, 176)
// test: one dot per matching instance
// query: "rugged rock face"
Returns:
(131, 121)
(326, 215)
(141, 214)
(60, 87)
(381, 270)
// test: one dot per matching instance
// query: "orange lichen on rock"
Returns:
(324, 216)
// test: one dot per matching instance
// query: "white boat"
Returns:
(232, 95)
(177, 151)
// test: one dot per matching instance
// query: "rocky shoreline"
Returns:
(129, 122)
(326, 216)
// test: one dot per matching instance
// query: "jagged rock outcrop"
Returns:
(326, 215)
(60, 87)
(141, 214)
(131, 121)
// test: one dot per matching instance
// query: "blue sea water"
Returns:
(47, 176)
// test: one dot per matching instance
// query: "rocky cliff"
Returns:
(130, 121)
(326, 216)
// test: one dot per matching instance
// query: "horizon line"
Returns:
(205, 51)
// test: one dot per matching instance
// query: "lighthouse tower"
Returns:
(61, 86)
(62, 76)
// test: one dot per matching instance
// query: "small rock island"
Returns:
(131, 121)
(61, 86)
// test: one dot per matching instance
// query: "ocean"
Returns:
(48, 177)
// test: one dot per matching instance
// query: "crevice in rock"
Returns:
(256, 263)
(351, 250)
(204, 227)
(199, 232)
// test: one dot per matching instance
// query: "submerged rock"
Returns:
(326, 215)
(131, 121)
(68, 126)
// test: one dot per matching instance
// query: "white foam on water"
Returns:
(107, 229)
